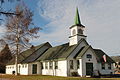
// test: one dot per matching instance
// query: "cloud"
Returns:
(100, 17)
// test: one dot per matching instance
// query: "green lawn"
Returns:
(38, 77)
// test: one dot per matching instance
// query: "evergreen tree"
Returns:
(5, 57)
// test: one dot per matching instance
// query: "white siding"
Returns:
(30, 66)
(10, 69)
(61, 71)
(85, 60)
(75, 38)
(106, 70)
(22, 69)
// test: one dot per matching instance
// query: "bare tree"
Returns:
(20, 29)
(2, 9)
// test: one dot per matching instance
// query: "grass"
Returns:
(39, 77)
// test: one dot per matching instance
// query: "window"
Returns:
(41, 65)
(89, 56)
(46, 65)
(25, 65)
(34, 69)
(80, 31)
(74, 32)
(103, 65)
(50, 65)
(78, 64)
(19, 66)
(71, 64)
(56, 64)
(109, 66)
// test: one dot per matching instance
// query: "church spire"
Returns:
(77, 30)
(77, 18)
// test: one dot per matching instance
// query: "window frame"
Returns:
(103, 66)
(80, 31)
(41, 65)
(89, 56)
(50, 65)
(73, 32)
(78, 64)
(56, 64)
(71, 64)
(109, 66)
(46, 65)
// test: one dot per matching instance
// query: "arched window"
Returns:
(80, 31)
(74, 32)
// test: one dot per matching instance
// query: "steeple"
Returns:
(77, 30)
(77, 18)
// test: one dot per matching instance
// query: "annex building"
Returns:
(75, 58)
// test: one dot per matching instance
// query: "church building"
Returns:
(75, 58)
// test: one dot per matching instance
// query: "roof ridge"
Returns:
(34, 51)
(61, 50)
(75, 47)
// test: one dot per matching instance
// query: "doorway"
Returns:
(89, 69)
(34, 69)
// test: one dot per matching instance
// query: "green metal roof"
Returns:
(47, 52)
(99, 53)
(58, 52)
(82, 51)
(36, 54)
(77, 18)
(116, 58)
(22, 56)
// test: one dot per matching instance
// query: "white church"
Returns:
(75, 58)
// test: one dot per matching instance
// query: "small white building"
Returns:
(75, 58)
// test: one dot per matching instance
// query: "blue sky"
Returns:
(101, 18)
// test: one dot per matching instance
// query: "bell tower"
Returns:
(77, 30)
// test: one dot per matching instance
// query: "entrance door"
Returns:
(89, 68)
(34, 69)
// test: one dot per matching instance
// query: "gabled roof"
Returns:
(82, 51)
(36, 54)
(22, 56)
(58, 52)
(99, 53)
(116, 58)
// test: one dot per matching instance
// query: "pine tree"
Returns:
(5, 57)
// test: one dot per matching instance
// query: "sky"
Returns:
(100, 17)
